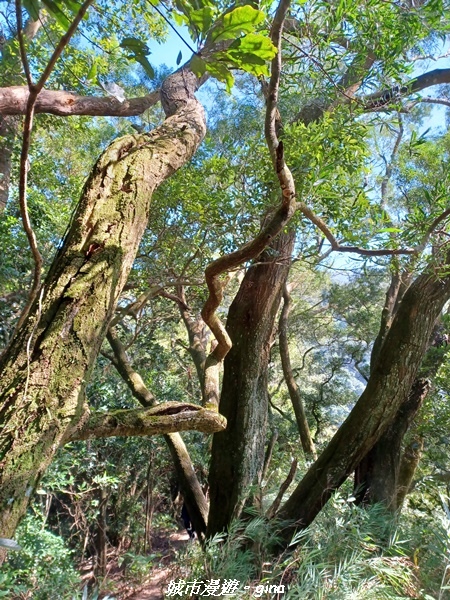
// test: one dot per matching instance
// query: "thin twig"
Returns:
(26, 140)
(252, 249)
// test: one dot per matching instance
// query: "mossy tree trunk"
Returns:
(390, 381)
(44, 370)
(377, 475)
(238, 452)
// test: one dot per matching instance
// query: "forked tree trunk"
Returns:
(238, 452)
(389, 384)
(44, 371)
(377, 475)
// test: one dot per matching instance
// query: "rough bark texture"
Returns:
(294, 392)
(164, 418)
(44, 370)
(238, 452)
(377, 475)
(390, 381)
(408, 465)
(187, 479)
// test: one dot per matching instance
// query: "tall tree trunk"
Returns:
(377, 475)
(44, 370)
(238, 453)
(388, 386)
(294, 392)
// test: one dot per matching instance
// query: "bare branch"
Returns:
(387, 97)
(162, 419)
(14, 99)
(336, 246)
(284, 486)
(443, 101)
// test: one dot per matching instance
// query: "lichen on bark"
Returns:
(44, 370)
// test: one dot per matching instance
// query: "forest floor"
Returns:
(153, 582)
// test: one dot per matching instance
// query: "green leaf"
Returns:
(202, 19)
(32, 8)
(135, 45)
(56, 11)
(143, 61)
(255, 43)
(198, 65)
(73, 5)
(222, 73)
(180, 20)
(243, 19)
(250, 63)
(92, 73)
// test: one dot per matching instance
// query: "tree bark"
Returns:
(238, 452)
(294, 392)
(164, 418)
(45, 368)
(408, 465)
(389, 383)
(187, 479)
(377, 475)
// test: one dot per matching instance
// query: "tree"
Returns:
(317, 162)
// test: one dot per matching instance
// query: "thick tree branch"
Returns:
(162, 419)
(384, 98)
(14, 99)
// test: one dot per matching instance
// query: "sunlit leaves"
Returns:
(249, 51)
(243, 19)
(138, 51)
(32, 8)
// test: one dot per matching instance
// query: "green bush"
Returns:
(43, 568)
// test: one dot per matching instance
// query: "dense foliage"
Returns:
(368, 150)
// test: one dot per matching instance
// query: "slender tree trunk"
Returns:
(44, 370)
(238, 453)
(9, 124)
(294, 392)
(8, 131)
(187, 479)
(388, 386)
(101, 539)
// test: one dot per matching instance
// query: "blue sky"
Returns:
(166, 54)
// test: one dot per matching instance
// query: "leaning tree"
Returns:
(335, 54)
